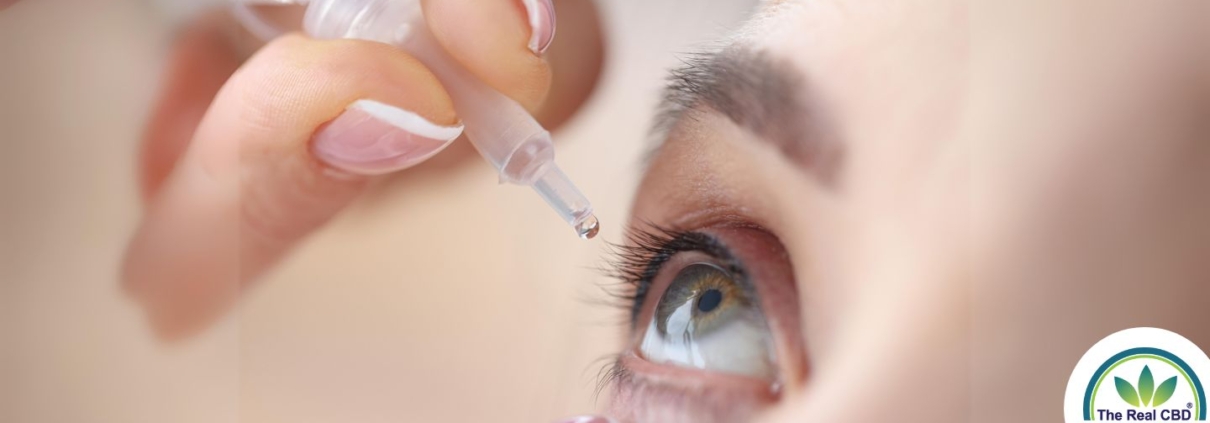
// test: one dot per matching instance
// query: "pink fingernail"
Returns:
(589, 419)
(541, 24)
(372, 138)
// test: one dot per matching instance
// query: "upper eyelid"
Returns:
(640, 260)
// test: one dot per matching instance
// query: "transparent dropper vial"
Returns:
(501, 130)
(505, 134)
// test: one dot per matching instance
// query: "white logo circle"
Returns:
(1139, 374)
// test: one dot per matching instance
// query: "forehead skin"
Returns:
(887, 73)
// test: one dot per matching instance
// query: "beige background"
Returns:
(443, 299)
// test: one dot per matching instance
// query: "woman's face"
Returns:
(877, 210)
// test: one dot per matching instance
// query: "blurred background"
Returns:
(442, 298)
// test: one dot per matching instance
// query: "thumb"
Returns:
(290, 140)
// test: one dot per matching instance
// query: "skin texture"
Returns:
(995, 190)
(226, 161)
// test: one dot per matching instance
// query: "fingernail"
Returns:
(372, 138)
(589, 419)
(541, 24)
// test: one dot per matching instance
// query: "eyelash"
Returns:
(637, 262)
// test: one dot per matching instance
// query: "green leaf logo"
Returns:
(1146, 386)
(1146, 394)
(1164, 391)
(1126, 391)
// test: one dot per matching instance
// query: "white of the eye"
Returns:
(740, 346)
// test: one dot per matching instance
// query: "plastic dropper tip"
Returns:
(589, 227)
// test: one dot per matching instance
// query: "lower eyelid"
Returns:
(693, 379)
(647, 392)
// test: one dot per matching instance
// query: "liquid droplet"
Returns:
(589, 227)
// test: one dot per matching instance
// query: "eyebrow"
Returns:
(759, 93)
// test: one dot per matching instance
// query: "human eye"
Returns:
(713, 320)
(707, 320)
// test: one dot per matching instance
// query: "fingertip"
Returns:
(493, 40)
(181, 266)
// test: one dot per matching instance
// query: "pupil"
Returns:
(709, 300)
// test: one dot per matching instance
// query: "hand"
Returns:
(241, 161)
